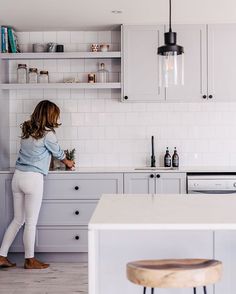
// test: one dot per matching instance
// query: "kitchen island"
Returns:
(131, 227)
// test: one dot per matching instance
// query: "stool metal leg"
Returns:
(204, 289)
(144, 290)
(194, 290)
(152, 291)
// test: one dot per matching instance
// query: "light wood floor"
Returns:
(60, 278)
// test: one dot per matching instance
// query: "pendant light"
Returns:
(171, 59)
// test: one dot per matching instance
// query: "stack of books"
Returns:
(9, 43)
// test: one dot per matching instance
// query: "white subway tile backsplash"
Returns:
(91, 37)
(106, 132)
(104, 37)
(77, 37)
(36, 37)
(63, 37)
(49, 37)
(63, 65)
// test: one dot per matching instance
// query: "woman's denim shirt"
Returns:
(35, 155)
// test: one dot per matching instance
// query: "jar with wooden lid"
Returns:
(33, 76)
(43, 77)
(22, 73)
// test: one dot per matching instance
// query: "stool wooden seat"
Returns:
(174, 273)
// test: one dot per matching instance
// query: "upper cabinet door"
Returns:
(222, 62)
(193, 39)
(140, 63)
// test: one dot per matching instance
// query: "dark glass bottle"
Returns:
(167, 158)
(175, 159)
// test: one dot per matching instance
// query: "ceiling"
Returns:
(84, 14)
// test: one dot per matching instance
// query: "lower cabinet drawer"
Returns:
(61, 240)
(55, 239)
(66, 213)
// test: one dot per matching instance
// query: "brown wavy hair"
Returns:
(44, 118)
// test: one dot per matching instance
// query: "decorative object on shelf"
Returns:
(94, 47)
(71, 80)
(70, 155)
(102, 74)
(104, 47)
(171, 59)
(43, 77)
(51, 47)
(60, 48)
(33, 76)
(91, 78)
(39, 47)
(22, 74)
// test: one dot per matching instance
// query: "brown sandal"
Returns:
(33, 263)
(4, 262)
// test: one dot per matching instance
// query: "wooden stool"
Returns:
(174, 273)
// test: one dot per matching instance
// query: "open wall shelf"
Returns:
(62, 55)
(61, 86)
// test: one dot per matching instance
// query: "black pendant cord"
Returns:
(170, 28)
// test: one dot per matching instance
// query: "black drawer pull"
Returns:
(76, 188)
(77, 212)
(204, 96)
(210, 96)
(158, 176)
(152, 176)
(76, 237)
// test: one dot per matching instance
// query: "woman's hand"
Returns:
(68, 163)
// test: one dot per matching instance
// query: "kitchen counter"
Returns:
(133, 227)
(166, 212)
(182, 169)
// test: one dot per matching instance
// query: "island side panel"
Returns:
(225, 250)
(116, 248)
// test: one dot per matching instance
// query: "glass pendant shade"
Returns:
(171, 69)
(171, 60)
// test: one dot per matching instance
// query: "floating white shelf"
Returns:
(61, 86)
(61, 55)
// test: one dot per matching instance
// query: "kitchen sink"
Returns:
(154, 168)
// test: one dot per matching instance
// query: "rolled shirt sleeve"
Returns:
(53, 146)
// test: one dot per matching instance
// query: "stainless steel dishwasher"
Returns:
(211, 184)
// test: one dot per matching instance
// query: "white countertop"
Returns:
(183, 169)
(166, 212)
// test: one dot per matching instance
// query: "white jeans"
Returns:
(27, 188)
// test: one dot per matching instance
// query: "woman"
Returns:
(38, 144)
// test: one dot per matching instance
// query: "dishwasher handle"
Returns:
(212, 191)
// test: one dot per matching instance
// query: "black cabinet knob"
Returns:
(126, 97)
(210, 96)
(76, 237)
(158, 176)
(204, 96)
(77, 212)
(152, 176)
(76, 188)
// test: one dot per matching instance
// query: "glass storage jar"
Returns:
(102, 74)
(43, 77)
(22, 73)
(33, 76)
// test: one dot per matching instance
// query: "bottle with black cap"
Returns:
(175, 159)
(167, 158)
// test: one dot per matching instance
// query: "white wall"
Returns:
(106, 132)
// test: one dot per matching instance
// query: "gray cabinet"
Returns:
(68, 204)
(4, 179)
(193, 39)
(225, 244)
(140, 63)
(160, 183)
(221, 62)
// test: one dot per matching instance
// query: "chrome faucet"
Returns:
(153, 159)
